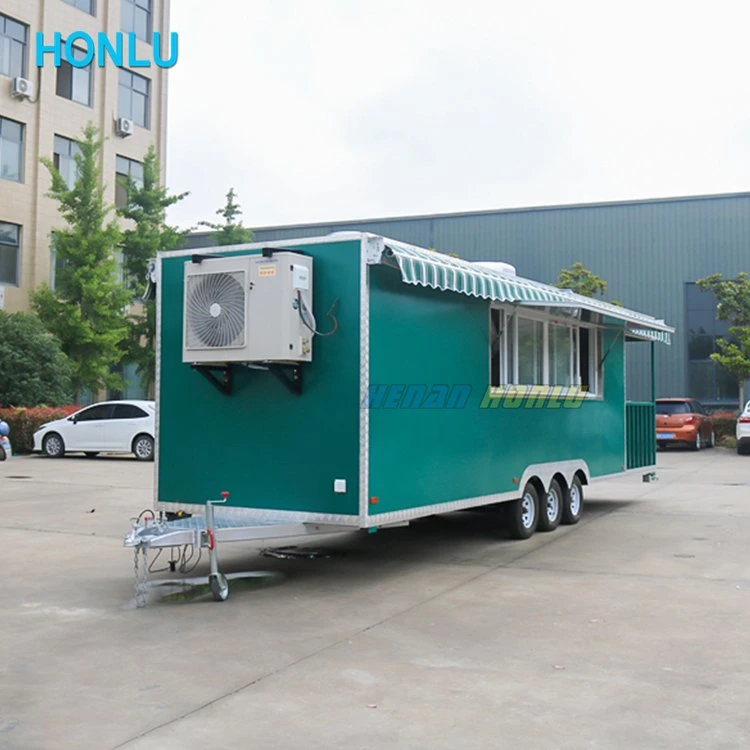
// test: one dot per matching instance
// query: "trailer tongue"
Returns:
(191, 535)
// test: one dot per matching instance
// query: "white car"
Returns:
(108, 427)
(743, 430)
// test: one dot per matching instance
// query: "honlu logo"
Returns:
(120, 49)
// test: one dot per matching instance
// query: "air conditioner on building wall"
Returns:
(124, 127)
(22, 88)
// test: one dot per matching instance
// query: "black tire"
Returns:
(551, 508)
(143, 447)
(92, 454)
(2, 453)
(522, 515)
(712, 440)
(573, 503)
(698, 444)
(743, 449)
(53, 446)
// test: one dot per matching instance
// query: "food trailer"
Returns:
(352, 381)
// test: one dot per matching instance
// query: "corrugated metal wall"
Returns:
(645, 250)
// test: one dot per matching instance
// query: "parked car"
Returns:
(683, 420)
(107, 427)
(743, 431)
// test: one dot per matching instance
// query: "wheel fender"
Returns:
(546, 471)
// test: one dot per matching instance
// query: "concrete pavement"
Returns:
(628, 630)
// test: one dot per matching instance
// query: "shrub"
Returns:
(24, 422)
(33, 369)
(724, 426)
(728, 441)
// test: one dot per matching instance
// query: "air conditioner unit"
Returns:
(124, 127)
(254, 308)
(22, 88)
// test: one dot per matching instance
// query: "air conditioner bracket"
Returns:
(224, 382)
(289, 375)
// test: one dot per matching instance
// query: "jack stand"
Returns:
(217, 582)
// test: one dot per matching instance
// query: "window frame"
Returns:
(75, 148)
(133, 7)
(17, 246)
(127, 175)
(146, 125)
(21, 149)
(105, 408)
(75, 4)
(504, 324)
(73, 71)
(122, 407)
(24, 44)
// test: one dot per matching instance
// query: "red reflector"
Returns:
(744, 420)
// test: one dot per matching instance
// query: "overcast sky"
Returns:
(341, 109)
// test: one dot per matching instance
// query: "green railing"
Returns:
(640, 429)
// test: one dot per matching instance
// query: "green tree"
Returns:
(580, 280)
(231, 231)
(86, 309)
(33, 368)
(149, 234)
(733, 297)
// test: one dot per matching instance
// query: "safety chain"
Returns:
(140, 568)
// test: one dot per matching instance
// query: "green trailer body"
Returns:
(401, 412)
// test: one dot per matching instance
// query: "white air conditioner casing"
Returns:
(22, 88)
(124, 127)
(247, 309)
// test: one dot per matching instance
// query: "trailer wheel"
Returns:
(551, 510)
(523, 514)
(219, 587)
(573, 503)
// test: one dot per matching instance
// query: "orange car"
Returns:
(683, 420)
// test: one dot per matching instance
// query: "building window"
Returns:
(87, 6)
(134, 98)
(65, 152)
(11, 150)
(540, 350)
(75, 83)
(707, 381)
(126, 170)
(13, 47)
(10, 250)
(136, 18)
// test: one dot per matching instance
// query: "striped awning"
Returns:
(435, 270)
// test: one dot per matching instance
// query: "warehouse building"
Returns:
(649, 251)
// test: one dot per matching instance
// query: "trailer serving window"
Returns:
(530, 348)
